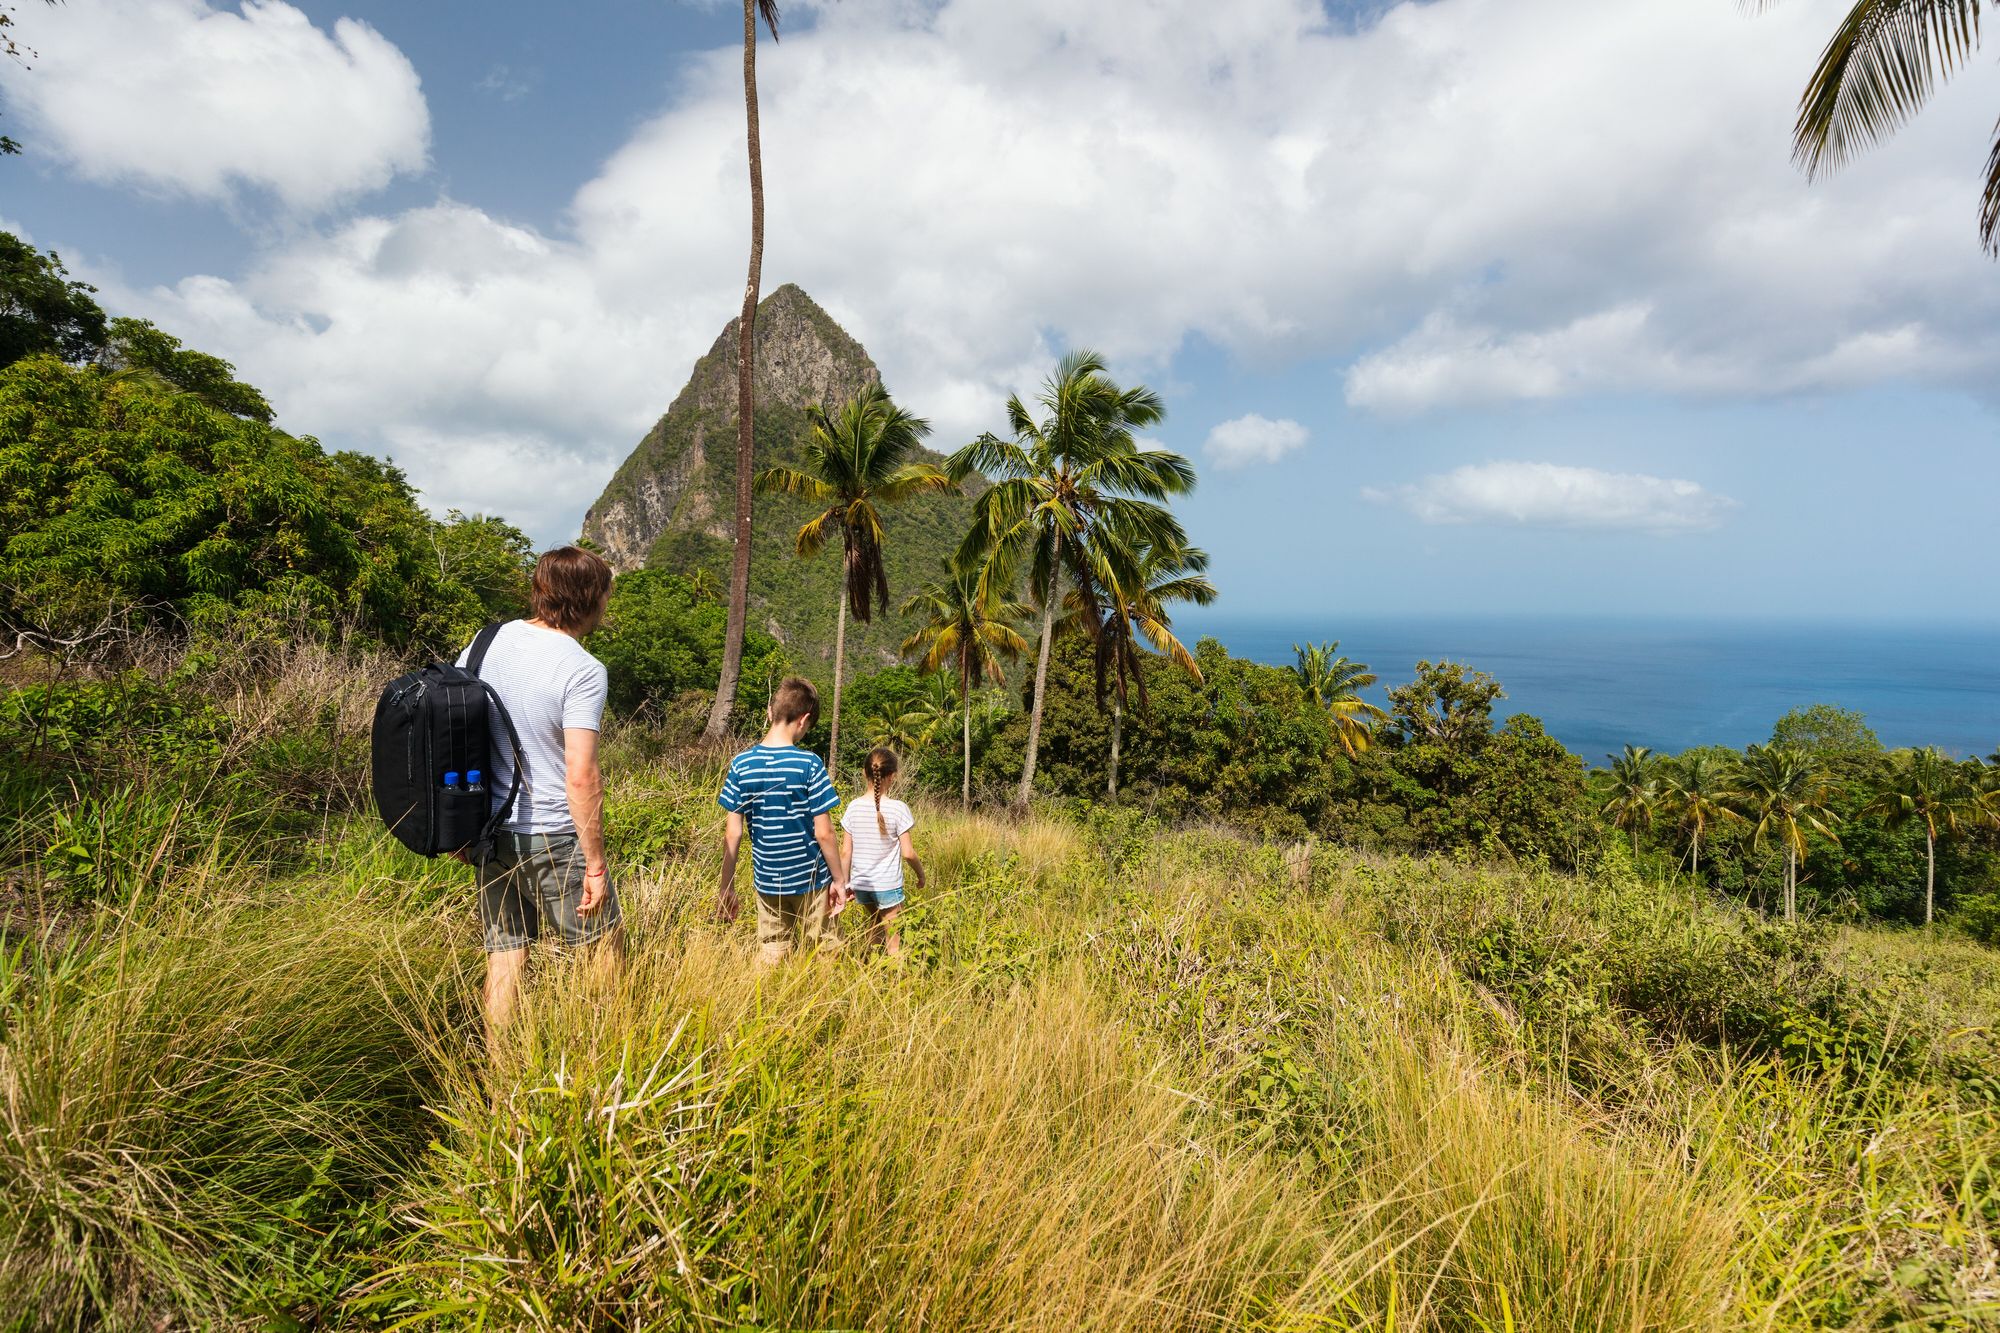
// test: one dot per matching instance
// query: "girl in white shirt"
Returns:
(875, 845)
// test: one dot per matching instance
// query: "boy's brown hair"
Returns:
(794, 698)
(570, 588)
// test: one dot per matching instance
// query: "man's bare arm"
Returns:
(584, 784)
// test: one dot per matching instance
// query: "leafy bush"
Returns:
(1978, 915)
(661, 637)
(113, 725)
(1601, 977)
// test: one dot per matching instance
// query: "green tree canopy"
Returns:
(1828, 733)
(138, 346)
(125, 496)
(42, 309)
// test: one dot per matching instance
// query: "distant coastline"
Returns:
(1598, 683)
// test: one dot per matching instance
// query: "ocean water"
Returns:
(1598, 684)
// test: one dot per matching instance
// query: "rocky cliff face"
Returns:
(672, 503)
(668, 484)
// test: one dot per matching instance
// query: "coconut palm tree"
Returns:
(968, 625)
(856, 460)
(1885, 60)
(1635, 791)
(746, 332)
(1785, 794)
(1335, 684)
(1135, 618)
(1695, 792)
(1073, 500)
(1938, 792)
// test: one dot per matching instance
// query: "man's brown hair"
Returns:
(794, 698)
(571, 586)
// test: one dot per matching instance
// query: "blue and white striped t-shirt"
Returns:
(778, 789)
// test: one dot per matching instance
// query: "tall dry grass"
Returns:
(1129, 1078)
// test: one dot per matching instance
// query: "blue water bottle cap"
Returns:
(472, 778)
(451, 778)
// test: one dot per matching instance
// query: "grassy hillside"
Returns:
(1132, 1077)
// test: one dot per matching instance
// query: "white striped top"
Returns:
(877, 861)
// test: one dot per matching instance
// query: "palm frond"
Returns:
(1002, 460)
(1154, 474)
(1883, 64)
(1989, 203)
(791, 481)
(913, 479)
(814, 534)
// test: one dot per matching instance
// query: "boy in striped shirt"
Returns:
(785, 797)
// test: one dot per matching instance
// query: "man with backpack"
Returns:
(546, 872)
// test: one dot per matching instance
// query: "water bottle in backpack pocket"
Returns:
(463, 809)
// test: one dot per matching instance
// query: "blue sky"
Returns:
(1478, 305)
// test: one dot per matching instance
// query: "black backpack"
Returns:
(429, 723)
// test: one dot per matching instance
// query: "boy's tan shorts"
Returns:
(783, 921)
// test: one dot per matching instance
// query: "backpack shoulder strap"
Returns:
(484, 844)
(474, 660)
(480, 643)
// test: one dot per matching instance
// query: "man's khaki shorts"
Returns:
(536, 879)
(786, 920)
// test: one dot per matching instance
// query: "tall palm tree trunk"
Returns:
(839, 661)
(1930, 875)
(1041, 688)
(1791, 885)
(739, 565)
(1696, 868)
(1117, 736)
(965, 694)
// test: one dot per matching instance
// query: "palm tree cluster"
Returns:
(1075, 515)
(1785, 795)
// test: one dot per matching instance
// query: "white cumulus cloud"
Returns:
(1461, 201)
(188, 98)
(1553, 496)
(1253, 439)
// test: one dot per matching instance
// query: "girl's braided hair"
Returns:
(881, 766)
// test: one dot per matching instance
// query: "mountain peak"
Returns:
(802, 357)
(668, 483)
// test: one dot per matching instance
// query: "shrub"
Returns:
(660, 637)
